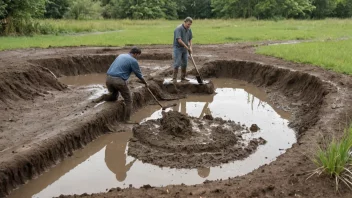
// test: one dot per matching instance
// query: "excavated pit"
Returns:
(305, 95)
(108, 161)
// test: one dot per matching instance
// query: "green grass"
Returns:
(332, 55)
(335, 160)
(161, 32)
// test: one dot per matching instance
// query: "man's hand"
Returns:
(146, 85)
(190, 51)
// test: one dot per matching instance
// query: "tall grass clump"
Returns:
(335, 160)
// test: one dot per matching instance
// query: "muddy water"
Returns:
(104, 164)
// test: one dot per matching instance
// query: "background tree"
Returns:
(140, 9)
(198, 9)
(343, 9)
(84, 9)
(323, 8)
(266, 9)
(56, 8)
(17, 15)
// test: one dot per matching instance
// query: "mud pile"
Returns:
(179, 141)
(176, 124)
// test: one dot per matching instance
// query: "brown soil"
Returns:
(179, 141)
(176, 124)
(44, 121)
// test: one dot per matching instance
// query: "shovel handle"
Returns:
(154, 97)
(194, 64)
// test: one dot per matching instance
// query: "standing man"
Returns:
(117, 76)
(182, 45)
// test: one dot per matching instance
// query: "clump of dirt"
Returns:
(254, 128)
(176, 124)
(179, 141)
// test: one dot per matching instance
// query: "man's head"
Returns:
(135, 51)
(188, 22)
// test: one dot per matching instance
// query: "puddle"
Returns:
(104, 164)
(288, 42)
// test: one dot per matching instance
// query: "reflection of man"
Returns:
(115, 157)
(203, 172)
(182, 105)
(205, 111)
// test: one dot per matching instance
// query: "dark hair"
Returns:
(188, 19)
(135, 50)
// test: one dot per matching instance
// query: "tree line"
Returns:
(16, 15)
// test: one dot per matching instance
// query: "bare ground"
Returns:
(44, 121)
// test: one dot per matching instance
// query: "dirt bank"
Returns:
(41, 129)
(179, 141)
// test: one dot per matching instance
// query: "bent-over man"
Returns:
(117, 76)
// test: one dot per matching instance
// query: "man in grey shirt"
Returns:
(181, 45)
(117, 76)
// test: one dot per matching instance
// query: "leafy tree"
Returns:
(225, 8)
(56, 8)
(233, 8)
(16, 15)
(324, 8)
(194, 8)
(3, 12)
(140, 9)
(170, 9)
(84, 9)
(343, 9)
(262, 9)
(284, 8)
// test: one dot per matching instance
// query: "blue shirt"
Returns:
(123, 66)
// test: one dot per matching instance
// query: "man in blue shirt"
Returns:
(117, 76)
(181, 45)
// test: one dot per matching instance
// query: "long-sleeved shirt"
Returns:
(123, 66)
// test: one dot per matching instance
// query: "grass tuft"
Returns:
(335, 160)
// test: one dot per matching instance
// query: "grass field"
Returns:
(329, 54)
(125, 32)
(332, 55)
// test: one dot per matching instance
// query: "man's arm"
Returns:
(183, 44)
(137, 71)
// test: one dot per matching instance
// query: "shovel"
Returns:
(162, 107)
(199, 78)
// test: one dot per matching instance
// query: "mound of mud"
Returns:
(176, 124)
(179, 141)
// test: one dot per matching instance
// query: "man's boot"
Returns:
(174, 79)
(183, 74)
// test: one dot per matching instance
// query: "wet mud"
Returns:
(179, 141)
(112, 166)
(319, 101)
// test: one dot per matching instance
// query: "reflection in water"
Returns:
(115, 156)
(103, 164)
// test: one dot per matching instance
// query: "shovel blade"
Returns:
(199, 80)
